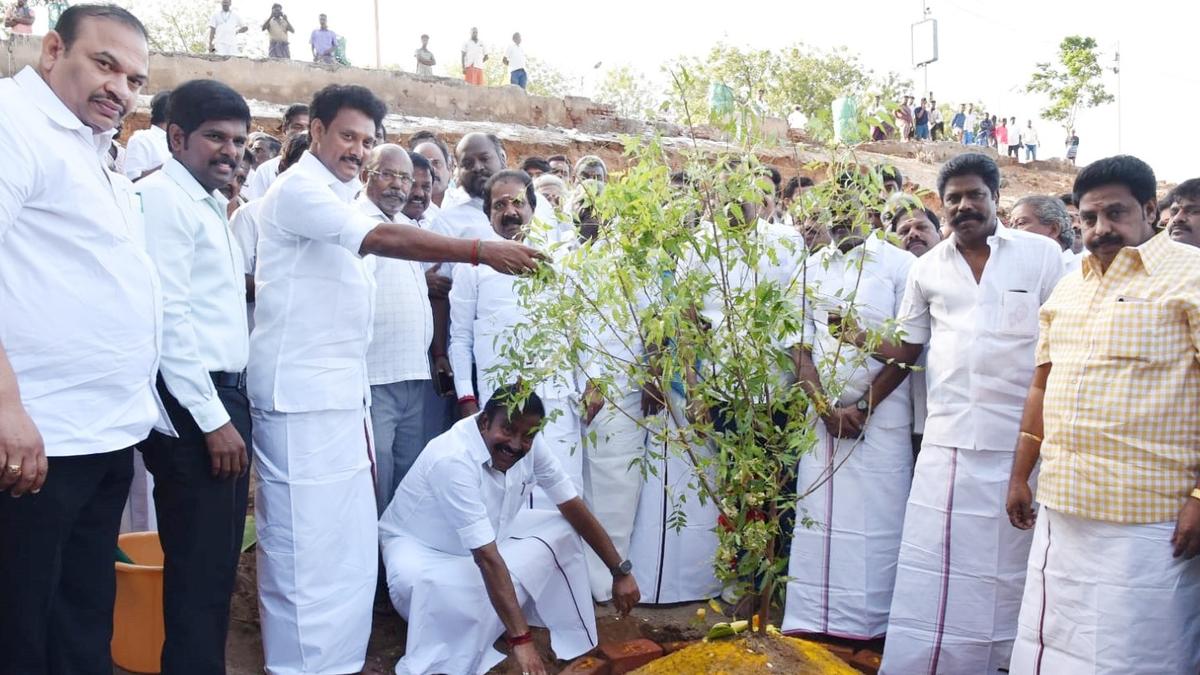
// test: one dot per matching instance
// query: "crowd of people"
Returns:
(324, 308)
(925, 121)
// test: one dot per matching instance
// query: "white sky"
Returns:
(987, 49)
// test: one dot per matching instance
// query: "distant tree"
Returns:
(183, 27)
(546, 80)
(628, 91)
(1074, 83)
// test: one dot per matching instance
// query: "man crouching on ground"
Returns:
(460, 504)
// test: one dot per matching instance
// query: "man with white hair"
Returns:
(1047, 216)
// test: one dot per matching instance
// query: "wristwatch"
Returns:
(622, 570)
(862, 405)
(1195, 493)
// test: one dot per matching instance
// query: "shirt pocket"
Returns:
(1019, 313)
(1135, 329)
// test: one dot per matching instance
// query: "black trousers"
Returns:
(200, 523)
(57, 580)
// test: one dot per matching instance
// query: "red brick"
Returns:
(587, 665)
(631, 655)
(867, 661)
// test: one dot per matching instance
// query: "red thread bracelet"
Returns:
(475, 253)
(519, 640)
(467, 399)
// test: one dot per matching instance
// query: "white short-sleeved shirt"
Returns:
(399, 349)
(876, 285)
(313, 295)
(204, 289)
(980, 337)
(80, 304)
(474, 53)
(225, 27)
(516, 57)
(453, 501)
(147, 150)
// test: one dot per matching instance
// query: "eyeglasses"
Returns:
(392, 177)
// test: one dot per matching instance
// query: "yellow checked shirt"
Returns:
(1122, 406)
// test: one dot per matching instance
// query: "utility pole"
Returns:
(378, 60)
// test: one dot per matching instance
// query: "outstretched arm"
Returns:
(625, 590)
(413, 243)
(503, 597)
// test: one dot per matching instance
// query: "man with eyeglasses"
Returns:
(397, 358)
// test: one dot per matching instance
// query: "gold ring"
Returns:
(14, 468)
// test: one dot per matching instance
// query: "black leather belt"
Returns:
(229, 380)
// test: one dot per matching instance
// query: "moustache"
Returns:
(1180, 227)
(511, 221)
(958, 220)
(394, 194)
(1106, 240)
(352, 160)
(226, 161)
(419, 200)
(113, 100)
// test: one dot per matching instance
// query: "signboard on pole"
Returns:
(924, 42)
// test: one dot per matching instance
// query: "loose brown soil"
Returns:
(750, 655)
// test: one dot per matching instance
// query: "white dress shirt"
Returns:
(453, 501)
(876, 285)
(466, 221)
(226, 26)
(483, 310)
(147, 150)
(244, 226)
(204, 289)
(981, 336)
(314, 295)
(455, 195)
(80, 305)
(264, 175)
(399, 349)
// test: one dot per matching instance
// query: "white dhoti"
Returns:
(562, 436)
(314, 509)
(451, 622)
(961, 569)
(612, 442)
(670, 564)
(843, 568)
(1107, 598)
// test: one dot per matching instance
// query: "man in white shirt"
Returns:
(80, 313)
(797, 119)
(295, 119)
(473, 56)
(479, 156)
(398, 357)
(223, 28)
(441, 408)
(1047, 216)
(147, 150)
(843, 570)
(430, 146)
(514, 58)
(314, 506)
(1029, 138)
(455, 539)
(244, 223)
(201, 473)
(974, 300)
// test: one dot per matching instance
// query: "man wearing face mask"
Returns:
(80, 330)
(309, 389)
(456, 539)
(479, 156)
(974, 300)
(201, 473)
